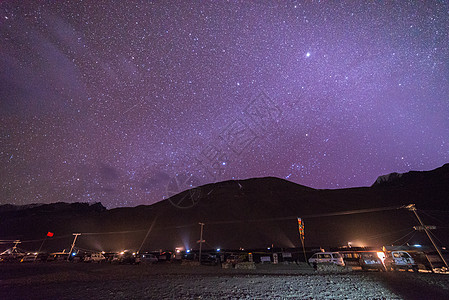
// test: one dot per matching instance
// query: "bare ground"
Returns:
(170, 281)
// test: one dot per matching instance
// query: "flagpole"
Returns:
(40, 247)
(48, 235)
(303, 247)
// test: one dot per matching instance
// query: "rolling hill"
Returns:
(251, 213)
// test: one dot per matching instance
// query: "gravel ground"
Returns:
(165, 281)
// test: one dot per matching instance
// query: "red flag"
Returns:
(50, 234)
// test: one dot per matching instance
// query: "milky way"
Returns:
(114, 102)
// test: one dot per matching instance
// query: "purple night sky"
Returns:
(108, 102)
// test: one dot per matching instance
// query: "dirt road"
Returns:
(165, 281)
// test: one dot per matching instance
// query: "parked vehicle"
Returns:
(233, 259)
(164, 256)
(77, 257)
(434, 261)
(326, 257)
(126, 257)
(400, 260)
(351, 258)
(11, 257)
(58, 256)
(95, 257)
(209, 259)
(148, 258)
(29, 257)
(371, 261)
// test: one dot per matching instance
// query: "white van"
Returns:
(327, 257)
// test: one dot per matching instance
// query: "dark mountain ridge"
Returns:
(256, 212)
(429, 178)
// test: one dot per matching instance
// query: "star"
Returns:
(92, 91)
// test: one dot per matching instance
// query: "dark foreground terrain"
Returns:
(165, 281)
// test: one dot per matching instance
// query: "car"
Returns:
(58, 256)
(371, 261)
(34, 257)
(400, 260)
(76, 257)
(164, 256)
(95, 257)
(11, 257)
(326, 257)
(351, 258)
(209, 259)
(148, 258)
(126, 257)
(234, 259)
(434, 262)
(29, 257)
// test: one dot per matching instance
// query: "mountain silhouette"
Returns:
(251, 213)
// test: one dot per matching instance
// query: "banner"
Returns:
(301, 228)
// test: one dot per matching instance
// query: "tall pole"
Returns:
(148, 232)
(413, 209)
(73, 244)
(303, 248)
(15, 245)
(40, 248)
(201, 240)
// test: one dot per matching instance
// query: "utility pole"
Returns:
(73, 244)
(15, 245)
(201, 240)
(426, 229)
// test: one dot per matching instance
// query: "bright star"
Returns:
(308, 54)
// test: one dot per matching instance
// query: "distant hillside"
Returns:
(413, 178)
(60, 207)
(257, 212)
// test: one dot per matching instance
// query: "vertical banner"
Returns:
(301, 237)
(301, 228)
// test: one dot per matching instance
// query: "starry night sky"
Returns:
(128, 102)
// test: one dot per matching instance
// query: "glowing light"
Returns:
(188, 251)
(308, 54)
(218, 249)
(381, 255)
(417, 245)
